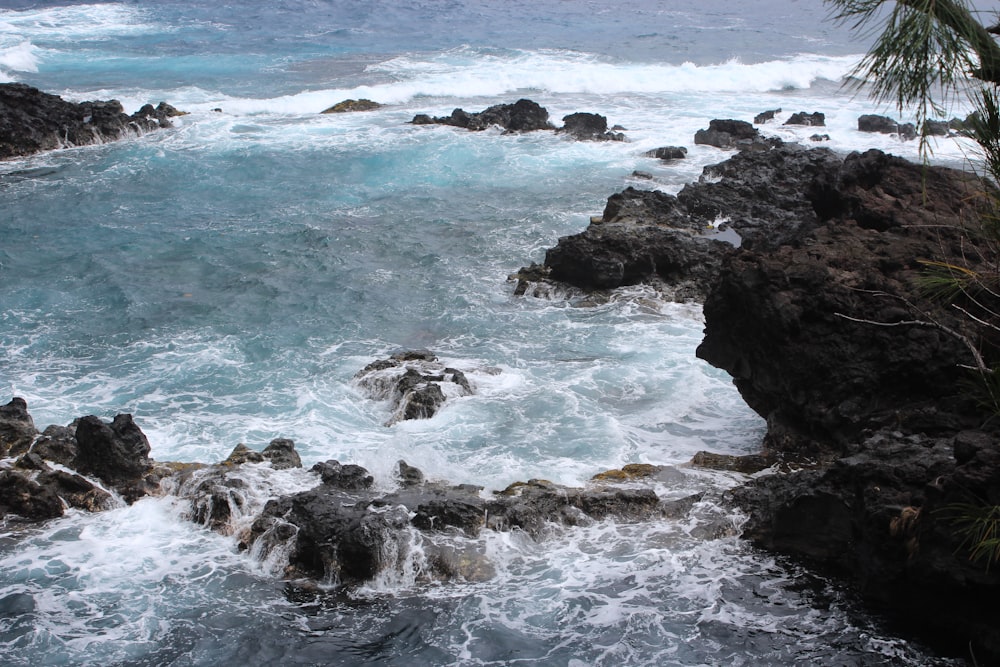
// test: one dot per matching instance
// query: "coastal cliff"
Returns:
(880, 449)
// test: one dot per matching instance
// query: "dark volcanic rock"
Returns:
(57, 444)
(17, 429)
(589, 127)
(778, 320)
(755, 199)
(668, 153)
(886, 125)
(349, 106)
(116, 452)
(816, 119)
(832, 338)
(282, 455)
(414, 382)
(32, 121)
(729, 134)
(522, 116)
(765, 116)
(21, 496)
(888, 516)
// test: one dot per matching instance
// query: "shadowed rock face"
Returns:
(754, 199)
(32, 121)
(831, 338)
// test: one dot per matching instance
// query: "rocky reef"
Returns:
(32, 121)
(526, 116)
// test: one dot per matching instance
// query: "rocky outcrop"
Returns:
(755, 199)
(106, 457)
(526, 116)
(731, 133)
(765, 116)
(886, 125)
(32, 121)
(815, 118)
(667, 153)
(350, 106)
(588, 127)
(414, 382)
(344, 532)
(864, 383)
(522, 116)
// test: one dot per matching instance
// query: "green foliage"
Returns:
(980, 527)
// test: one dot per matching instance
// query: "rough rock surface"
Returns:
(886, 125)
(729, 133)
(414, 382)
(815, 118)
(17, 429)
(349, 106)
(755, 199)
(859, 374)
(344, 532)
(588, 127)
(522, 116)
(32, 121)
(668, 153)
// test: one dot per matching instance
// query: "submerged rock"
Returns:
(668, 153)
(32, 121)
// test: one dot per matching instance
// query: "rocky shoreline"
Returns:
(819, 311)
(32, 121)
(810, 267)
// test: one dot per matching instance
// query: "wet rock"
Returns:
(242, 454)
(888, 518)
(27, 499)
(76, 490)
(282, 455)
(935, 128)
(32, 121)
(522, 116)
(729, 134)
(667, 153)
(589, 127)
(117, 453)
(679, 242)
(415, 383)
(350, 106)
(17, 429)
(347, 477)
(642, 175)
(57, 444)
(765, 116)
(746, 464)
(886, 125)
(819, 137)
(815, 119)
(408, 475)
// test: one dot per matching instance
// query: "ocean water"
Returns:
(224, 280)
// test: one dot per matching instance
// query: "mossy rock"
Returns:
(353, 105)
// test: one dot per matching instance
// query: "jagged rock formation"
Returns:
(525, 116)
(755, 199)
(32, 121)
(415, 383)
(803, 118)
(886, 125)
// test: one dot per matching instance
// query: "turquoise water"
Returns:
(225, 279)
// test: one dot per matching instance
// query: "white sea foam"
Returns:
(74, 22)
